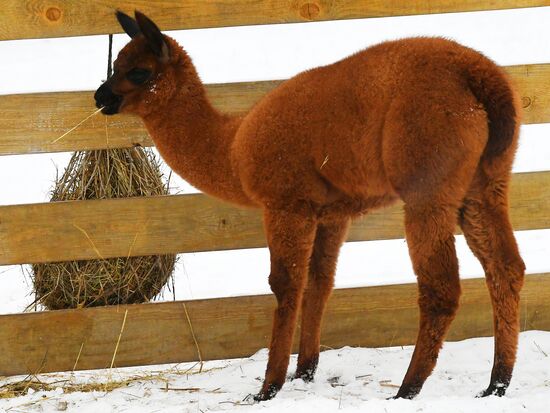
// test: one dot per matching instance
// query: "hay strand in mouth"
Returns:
(77, 125)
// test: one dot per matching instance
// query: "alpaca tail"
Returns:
(491, 87)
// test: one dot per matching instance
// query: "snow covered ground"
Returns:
(276, 52)
(348, 380)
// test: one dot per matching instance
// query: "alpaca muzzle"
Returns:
(106, 99)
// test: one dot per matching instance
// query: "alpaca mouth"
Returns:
(110, 106)
(110, 109)
(106, 100)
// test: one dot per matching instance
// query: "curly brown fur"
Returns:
(424, 120)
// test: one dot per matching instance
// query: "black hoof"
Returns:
(408, 393)
(498, 390)
(306, 375)
(267, 393)
(405, 396)
(306, 371)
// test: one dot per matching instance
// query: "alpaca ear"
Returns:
(153, 35)
(128, 24)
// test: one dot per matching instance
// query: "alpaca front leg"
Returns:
(329, 239)
(290, 238)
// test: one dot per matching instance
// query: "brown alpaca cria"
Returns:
(423, 120)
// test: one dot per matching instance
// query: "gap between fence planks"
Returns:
(237, 327)
(50, 232)
(30, 122)
(23, 19)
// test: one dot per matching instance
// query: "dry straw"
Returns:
(83, 382)
(102, 174)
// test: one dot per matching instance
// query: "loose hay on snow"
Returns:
(101, 174)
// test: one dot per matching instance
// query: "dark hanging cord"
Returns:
(110, 58)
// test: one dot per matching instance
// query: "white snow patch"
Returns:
(348, 380)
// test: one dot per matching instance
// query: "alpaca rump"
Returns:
(424, 120)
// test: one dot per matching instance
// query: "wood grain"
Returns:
(46, 116)
(237, 327)
(23, 19)
(51, 232)
(533, 85)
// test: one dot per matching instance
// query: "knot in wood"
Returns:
(525, 101)
(310, 11)
(53, 14)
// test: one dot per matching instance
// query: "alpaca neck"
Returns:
(195, 140)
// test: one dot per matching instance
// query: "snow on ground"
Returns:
(348, 380)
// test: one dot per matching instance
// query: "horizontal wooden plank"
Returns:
(23, 19)
(236, 327)
(186, 223)
(46, 116)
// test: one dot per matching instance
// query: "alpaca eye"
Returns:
(138, 76)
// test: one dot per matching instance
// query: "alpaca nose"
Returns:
(106, 99)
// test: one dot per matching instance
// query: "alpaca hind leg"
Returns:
(486, 226)
(290, 238)
(429, 232)
(322, 266)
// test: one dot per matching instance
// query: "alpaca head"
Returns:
(144, 71)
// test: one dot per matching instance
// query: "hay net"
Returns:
(103, 174)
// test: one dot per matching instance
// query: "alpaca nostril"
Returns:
(99, 95)
(104, 97)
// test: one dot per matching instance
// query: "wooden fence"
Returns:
(228, 327)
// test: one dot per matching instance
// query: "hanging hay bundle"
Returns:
(101, 174)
